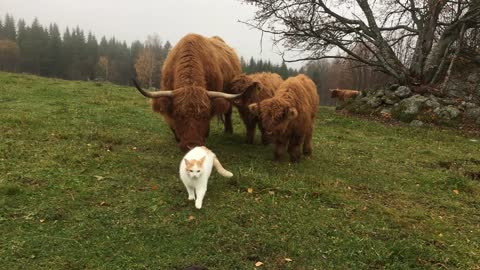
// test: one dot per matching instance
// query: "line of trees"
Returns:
(254, 66)
(73, 55)
(76, 55)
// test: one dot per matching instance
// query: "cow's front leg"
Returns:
(175, 134)
(250, 126)
(228, 121)
(294, 147)
(280, 145)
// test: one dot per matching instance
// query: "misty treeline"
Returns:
(72, 55)
(76, 55)
(414, 42)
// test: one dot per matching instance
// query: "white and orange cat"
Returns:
(195, 169)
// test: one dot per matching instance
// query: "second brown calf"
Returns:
(289, 116)
(255, 88)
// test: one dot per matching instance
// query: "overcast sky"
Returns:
(134, 20)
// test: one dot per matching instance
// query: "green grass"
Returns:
(80, 165)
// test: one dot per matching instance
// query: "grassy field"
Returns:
(89, 180)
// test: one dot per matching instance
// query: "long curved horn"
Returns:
(156, 94)
(213, 94)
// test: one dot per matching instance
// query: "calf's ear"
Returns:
(254, 86)
(220, 105)
(253, 108)
(292, 113)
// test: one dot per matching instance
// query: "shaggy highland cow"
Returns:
(289, 116)
(343, 94)
(194, 76)
(255, 88)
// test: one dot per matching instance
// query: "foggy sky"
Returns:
(134, 20)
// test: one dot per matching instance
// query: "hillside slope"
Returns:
(88, 180)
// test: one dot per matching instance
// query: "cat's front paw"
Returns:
(198, 204)
(191, 198)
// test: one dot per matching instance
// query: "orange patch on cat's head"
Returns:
(200, 162)
(190, 163)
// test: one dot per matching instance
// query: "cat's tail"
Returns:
(218, 166)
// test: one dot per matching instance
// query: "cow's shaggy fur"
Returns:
(256, 87)
(194, 66)
(343, 94)
(289, 116)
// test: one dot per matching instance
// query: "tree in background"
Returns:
(150, 59)
(427, 31)
(9, 30)
(145, 66)
(103, 67)
(9, 55)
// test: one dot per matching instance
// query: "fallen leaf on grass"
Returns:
(190, 218)
(99, 177)
(42, 220)
(288, 260)
(271, 192)
(155, 187)
(257, 264)
(349, 188)
(250, 190)
(456, 191)
(103, 203)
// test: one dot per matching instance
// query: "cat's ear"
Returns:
(253, 108)
(187, 163)
(200, 162)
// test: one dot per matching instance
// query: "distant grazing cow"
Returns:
(343, 94)
(256, 87)
(194, 76)
(289, 116)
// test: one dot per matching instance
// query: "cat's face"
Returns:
(194, 167)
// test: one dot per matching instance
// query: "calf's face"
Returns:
(275, 116)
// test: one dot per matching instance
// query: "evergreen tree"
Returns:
(54, 52)
(92, 56)
(9, 30)
(1, 30)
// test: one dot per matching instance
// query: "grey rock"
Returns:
(473, 113)
(413, 104)
(432, 102)
(474, 77)
(379, 93)
(416, 123)
(447, 113)
(448, 101)
(374, 102)
(389, 101)
(469, 105)
(386, 111)
(393, 87)
(408, 108)
(403, 92)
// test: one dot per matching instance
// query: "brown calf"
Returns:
(343, 94)
(289, 116)
(255, 88)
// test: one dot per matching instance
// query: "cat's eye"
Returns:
(190, 170)
(198, 171)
